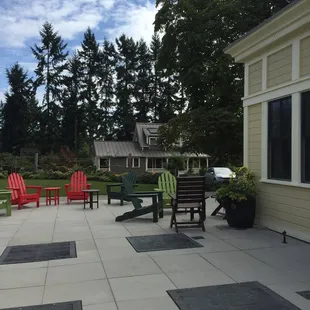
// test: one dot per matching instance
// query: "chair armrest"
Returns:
(149, 192)
(114, 184)
(145, 195)
(88, 186)
(38, 188)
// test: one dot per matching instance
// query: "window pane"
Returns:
(279, 139)
(158, 163)
(136, 162)
(104, 163)
(150, 163)
(305, 137)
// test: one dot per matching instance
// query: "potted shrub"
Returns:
(238, 197)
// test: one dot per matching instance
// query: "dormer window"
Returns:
(153, 140)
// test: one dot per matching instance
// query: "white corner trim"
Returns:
(109, 164)
(146, 163)
(264, 141)
(127, 162)
(246, 80)
(296, 137)
(245, 136)
(264, 73)
(296, 60)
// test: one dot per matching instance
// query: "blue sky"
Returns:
(21, 20)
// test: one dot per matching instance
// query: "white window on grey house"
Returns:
(280, 139)
(155, 163)
(194, 163)
(152, 141)
(305, 137)
(104, 163)
(135, 162)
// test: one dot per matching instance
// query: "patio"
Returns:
(108, 274)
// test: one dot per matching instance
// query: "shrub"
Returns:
(148, 178)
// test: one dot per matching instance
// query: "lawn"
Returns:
(61, 183)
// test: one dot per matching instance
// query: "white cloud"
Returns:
(135, 20)
(29, 66)
(21, 20)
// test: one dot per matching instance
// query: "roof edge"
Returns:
(262, 25)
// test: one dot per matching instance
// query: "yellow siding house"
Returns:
(276, 57)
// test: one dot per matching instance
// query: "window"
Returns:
(152, 141)
(135, 162)
(305, 137)
(155, 163)
(104, 163)
(280, 139)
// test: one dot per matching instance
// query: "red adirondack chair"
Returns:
(74, 189)
(19, 195)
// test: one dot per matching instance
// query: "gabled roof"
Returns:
(147, 129)
(124, 148)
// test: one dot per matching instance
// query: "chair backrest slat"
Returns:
(132, 178)
(130, 190)
(167, 183)
(190, 190)
(15, 180)
(78, 181)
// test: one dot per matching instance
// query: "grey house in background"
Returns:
(142, 154)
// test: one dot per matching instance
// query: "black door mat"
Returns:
(304, 294)
(38, 252)
(163, 242)
(70, 305)
(240, 296)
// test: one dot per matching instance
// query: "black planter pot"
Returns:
(241, 214)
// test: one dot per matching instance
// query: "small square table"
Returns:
(50, 197)
(91, 200)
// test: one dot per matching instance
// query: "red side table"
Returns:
(49, 197)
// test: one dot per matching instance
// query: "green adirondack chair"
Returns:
(156, 207)
(167, 184)
(5, 201)
(118, 192)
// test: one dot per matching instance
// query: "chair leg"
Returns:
(8, 209)
(192, 214)
(38, 203)
(201, 220)
(155, 215)
(19, 205)
(122, 202)
(109, 200)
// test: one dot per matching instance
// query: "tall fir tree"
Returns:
(73, 112)
(17, 111)
(106, 76)
(90, 93)
(51, 56)
(126, 67)
(143, 91)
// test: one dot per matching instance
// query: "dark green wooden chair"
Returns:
(156, 207)
(118, 192)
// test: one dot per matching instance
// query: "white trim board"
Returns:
(279, 91)
(245, 136)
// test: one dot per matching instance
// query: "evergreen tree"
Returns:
(90, 92)
(73, 113)
(143, 91)
(17, 108)
(106, 75)
(125, 87)
(51, 57)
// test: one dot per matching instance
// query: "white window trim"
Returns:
(133, 161)
(127, 162)
(296, 145)
(152, 138)
(109, 163)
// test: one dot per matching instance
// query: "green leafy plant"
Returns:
(239, 188)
